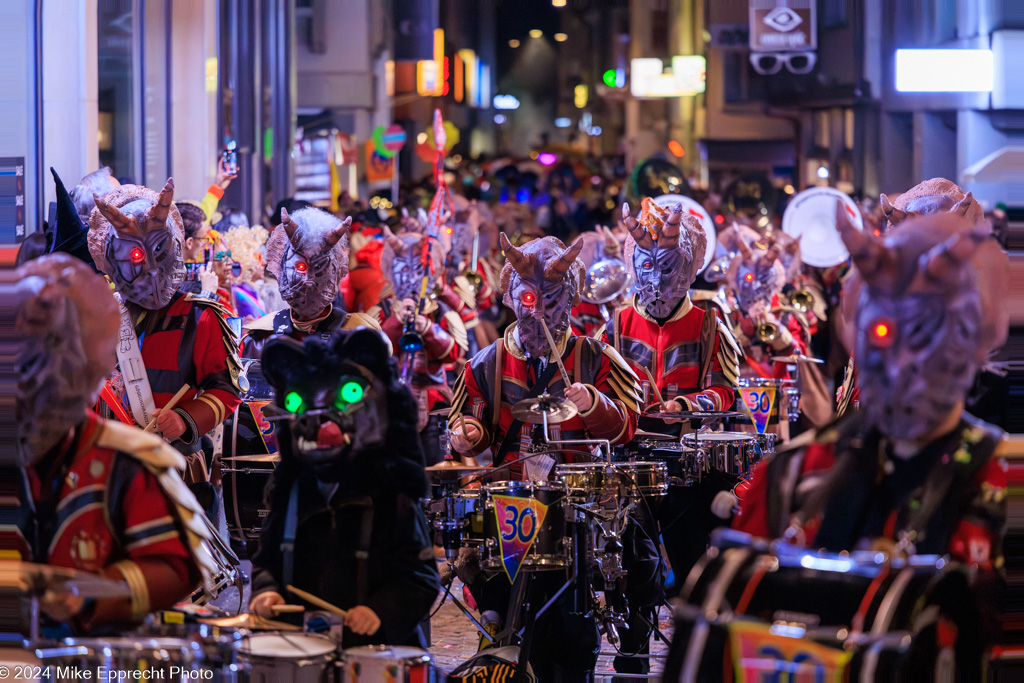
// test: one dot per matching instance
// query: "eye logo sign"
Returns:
(518, 521)
(757, 404)
(782, 19)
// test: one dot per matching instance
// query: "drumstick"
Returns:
(278, 609)
(169, 406)
(323, 604)
(554, 352)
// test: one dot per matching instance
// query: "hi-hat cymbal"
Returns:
(796, 358)
(533, 410)
(653, 436)
(696, 415)
(261, 457)
(27, 577)
(450, 469)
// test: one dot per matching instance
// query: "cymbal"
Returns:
(796, 358)
(38, 578)
(533, 410)
(251, 622)
(451, 469)
(260, 457)
(653, 436)
(696, 415)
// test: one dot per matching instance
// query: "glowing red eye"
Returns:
(449, 231)
(877, 232)
(301, 266)
(529, 298)
(749, 277)
(882, 333)
(719, 219)
(137, 254)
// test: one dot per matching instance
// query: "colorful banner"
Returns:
(378, 169)
(518, 520)
(758, 654)
(757, 404)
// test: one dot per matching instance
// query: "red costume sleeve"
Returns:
(609, 417)
(217, 396)
(467, 383)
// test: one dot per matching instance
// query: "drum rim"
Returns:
(423, 656)
(738, 437)
(281, 635)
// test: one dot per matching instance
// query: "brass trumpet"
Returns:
(476, 281)
(767, 332)
(802, 300)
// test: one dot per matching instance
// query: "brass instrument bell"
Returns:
(767, 332)
(605, 281)
(475, 280)
(802, 300)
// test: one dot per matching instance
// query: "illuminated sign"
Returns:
(944, 70)
(426, 77)
(580, 96)
(506, 102)
(686, 76)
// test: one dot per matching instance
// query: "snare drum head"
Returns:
(287, 645)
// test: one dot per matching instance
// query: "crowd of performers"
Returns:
(393, 353)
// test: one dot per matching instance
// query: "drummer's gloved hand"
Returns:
(580, 395)
(362, 620)
(168, 424)
(464, 443)
(673, 406)
(263, 604)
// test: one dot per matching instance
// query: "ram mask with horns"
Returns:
(135, 238)
(665, 248)
(541, 281)
(926, 307)
(936, 195)
(307, 255)
(407, 258)
(762, 266)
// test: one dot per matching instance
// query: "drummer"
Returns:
(308, 255)
(541, 281)
(686, 358)
(104, 496)
(910, 471)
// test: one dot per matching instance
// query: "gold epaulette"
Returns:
(264, 324)
(354, 320)
(164, 463)
(231, 342)
(465, 291)
(457, 329)
(623, 380)
(729, 353)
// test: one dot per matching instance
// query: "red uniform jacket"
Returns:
(968, 521)
(444, 343)
(692, 356)
(100, 506)
(190, 342)
(486, 402)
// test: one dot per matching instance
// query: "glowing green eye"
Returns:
(351, 392)
(293, 402)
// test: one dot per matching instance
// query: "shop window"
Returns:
(116, 81)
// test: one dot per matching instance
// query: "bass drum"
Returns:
(751, 610)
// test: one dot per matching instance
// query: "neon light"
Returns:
(944, 70)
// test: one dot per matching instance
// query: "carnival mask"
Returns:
(929, 309)
(934, 196)
(664, 250)
(307, 254)
(542, 282)
(68, 320)
(136, 237)
(757, 273)
(405, 261)
(333, 397)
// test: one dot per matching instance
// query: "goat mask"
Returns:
(307, 254)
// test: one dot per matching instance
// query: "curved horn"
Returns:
(964, 205)
(891, 212)
(291, 228)
(335, 235)
(520, 262)
(741, 244)
(941, 260)
(611, 245)
(669, 236)
(557, 269)
(159, 212)
(867, 252)
(637, 231)
(121, 222)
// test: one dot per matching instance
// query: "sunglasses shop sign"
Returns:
(783, 25)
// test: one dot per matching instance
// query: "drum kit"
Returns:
(186, 645)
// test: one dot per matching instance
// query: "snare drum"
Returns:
(730, 452)
(244, 498)
(388, 663)
(589, 480)
(299, 657)
(168, 659)
(551, 548)
(767, 609)
(220, 644)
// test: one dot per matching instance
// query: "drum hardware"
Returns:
(791, 399)
(730, 452)
(219, 644)
(166, 659)
(697, 415)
